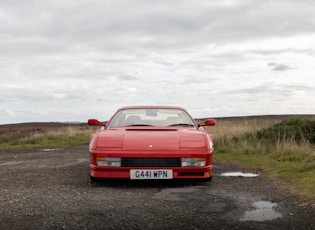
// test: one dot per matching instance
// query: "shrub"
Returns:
(295, 129)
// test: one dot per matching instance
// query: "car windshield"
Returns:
(151, 117)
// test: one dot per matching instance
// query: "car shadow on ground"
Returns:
(126, 183)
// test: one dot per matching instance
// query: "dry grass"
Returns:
(39, 135)
(225, 129)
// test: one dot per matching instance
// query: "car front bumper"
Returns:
(125, 172)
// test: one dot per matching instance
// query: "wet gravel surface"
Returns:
(51, 189)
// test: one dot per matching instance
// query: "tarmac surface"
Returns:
(51, 189)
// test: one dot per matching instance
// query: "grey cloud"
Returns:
(278, 67)
(44, 92)
(127, 77)
(127, 23)
(134, 30)
(271, 91)
(281, 51)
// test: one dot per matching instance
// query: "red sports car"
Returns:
(151, 142)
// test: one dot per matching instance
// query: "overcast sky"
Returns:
(70, 60)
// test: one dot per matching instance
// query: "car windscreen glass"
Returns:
(151, 117)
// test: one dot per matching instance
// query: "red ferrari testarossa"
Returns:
(151, 142)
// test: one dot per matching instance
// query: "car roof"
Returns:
(151, 107)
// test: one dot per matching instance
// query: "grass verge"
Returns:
(280, 149)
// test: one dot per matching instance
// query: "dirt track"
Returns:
(51, 189)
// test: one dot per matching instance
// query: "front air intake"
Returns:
(150, 162)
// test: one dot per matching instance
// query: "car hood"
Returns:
(151, 139)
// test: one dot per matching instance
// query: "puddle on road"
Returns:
(50, 150)
(263, 210)
(239, 174)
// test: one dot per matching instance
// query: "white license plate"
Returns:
(136, 174)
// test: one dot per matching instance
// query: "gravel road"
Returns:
(51, 189)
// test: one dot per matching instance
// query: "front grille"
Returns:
(191, 174)
(150, 162)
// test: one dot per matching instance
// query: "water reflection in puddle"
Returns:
(50, 150)
(240, 174)
(263, 210)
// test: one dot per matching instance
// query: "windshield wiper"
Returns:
(139, 125)
(182, 124)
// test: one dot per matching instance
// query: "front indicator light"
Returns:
(193, 162)
(108, 161)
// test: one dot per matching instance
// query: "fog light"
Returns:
(193, 162)
(108, 161)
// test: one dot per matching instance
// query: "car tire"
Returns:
(207, 179)
(94, 179)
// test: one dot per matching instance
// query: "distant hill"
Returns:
(38, 126)
(281, 116)
(271, 117)
(34, 127)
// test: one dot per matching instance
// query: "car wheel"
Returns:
(94, 179)
(207, 179)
